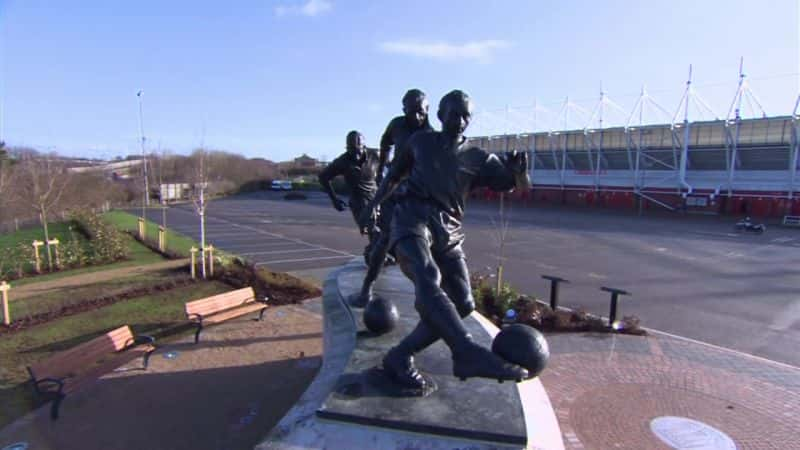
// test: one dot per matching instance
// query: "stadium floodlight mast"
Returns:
(144, 156)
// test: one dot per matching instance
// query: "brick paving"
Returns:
(224, 393)
(606, 389)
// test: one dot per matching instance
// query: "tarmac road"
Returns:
(691, 276)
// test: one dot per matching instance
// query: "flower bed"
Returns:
(538, 314)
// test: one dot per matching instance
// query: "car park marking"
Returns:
(280, 261)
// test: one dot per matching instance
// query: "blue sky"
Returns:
(279, 78)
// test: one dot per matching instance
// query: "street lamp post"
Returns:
(144, 157)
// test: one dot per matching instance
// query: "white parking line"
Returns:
(312, 249)
(250, 243)
(245, 227)
(278, 261)
(227, 235)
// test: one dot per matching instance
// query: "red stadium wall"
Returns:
(755, 204)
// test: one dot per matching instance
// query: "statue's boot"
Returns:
(399, 361)
(360, 300)
(469, 359)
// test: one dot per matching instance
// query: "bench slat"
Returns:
(231, 313)
(220, 302)
(75, 359)
(95, 372)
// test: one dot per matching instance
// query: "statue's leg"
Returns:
(455, 280)
(440, 317)
(357, 205)
(376, 258)
(456, 287)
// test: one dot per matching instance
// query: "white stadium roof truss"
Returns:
(689, 152)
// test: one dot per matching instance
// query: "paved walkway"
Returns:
(607, 389)
(225, 393)
(44, 287)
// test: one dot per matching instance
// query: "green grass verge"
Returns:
(56, 299)
(138, 255)
(176, 242)
(58, 230)
(154, 314)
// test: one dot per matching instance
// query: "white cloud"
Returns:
(480, 51)
(310, 8)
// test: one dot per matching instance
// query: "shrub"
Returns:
(73, 253)
(106, 243)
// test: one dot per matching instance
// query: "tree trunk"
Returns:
(203, 231)
(47, 239)
(203, 243)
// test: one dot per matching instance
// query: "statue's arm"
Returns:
(404, 160)
(386, 145)
(504, 172)
(330, 172)
(399, 170)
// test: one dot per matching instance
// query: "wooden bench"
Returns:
(216, 309)
(69, 370)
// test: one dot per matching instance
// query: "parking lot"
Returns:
(690, 276)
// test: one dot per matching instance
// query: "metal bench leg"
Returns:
(56, 405)
(261, 313)
(197, 333)
(146, 359)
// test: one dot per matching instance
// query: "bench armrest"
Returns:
(144, 339)
(58, 382)
(196, 317)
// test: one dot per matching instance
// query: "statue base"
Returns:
(476, 409)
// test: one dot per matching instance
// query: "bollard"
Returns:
(141, 228)
(36, 245)
(210, 250)
(4, 288)
(193, 251)
(162, 239)
(615, 293)
(554, 289)
(54, 242)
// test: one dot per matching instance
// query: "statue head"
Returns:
(455, 113)
(355, 142)
(415, 108)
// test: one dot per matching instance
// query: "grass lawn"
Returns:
(138, 255)
(55, 300)
(58, 230)
(153, 314)
(176, 242)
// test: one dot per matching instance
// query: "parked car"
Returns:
(281, 185)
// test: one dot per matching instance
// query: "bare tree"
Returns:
(40, 184)
(5, 172)
(200, 198)
(501, 227)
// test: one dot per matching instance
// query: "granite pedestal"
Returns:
(349, 406)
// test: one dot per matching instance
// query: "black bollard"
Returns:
(554, 289)
(615, 293)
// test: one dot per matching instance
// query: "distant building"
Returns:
(115, 170)
(306, 162)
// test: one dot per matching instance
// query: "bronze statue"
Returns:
(359, 167)
(414, 118)
(438, 170)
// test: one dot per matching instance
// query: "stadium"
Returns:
(735, 165)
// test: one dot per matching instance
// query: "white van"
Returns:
(281, 185)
